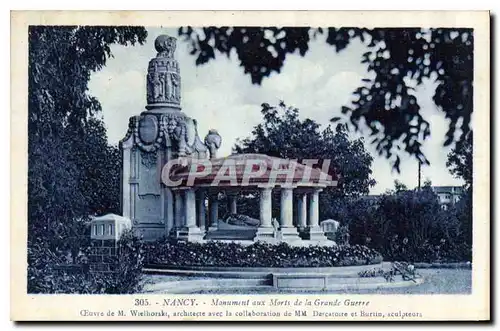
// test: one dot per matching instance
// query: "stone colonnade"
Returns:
(307, 215)
(191, 220)
(189, 214)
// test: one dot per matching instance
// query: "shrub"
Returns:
(406, 270)
(375, 272)
(342, 236)
(127, 276)
(409, 225)
(48, 273)
(44, 276)
(180, 254)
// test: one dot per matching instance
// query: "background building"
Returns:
(448, 195)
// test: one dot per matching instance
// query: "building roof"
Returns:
(447, 189)
(247, 170)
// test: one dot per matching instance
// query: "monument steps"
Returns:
(257, 272)
(227, 279)
(270, 284)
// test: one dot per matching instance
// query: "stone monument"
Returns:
(104, 235)
(163, 132)
(159, 134)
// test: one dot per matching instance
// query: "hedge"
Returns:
(222, 254)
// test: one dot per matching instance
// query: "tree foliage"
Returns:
(283, 134)
(47, 275)
(399, 186)
(460, 160)
(385, 103)
(410, 225)
(73, 172)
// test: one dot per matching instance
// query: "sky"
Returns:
(219, 95)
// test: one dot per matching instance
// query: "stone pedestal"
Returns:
(144, 201)
(330, 227)
(104, 237)
(103, 256)
(264, 234)
(315, 234)
(290, 236)
(190, 234)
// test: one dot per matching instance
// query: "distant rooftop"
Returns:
(447, 189)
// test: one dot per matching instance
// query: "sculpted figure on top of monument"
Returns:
(163, 86)
(163, 79)
(165, 46)
(213, 140)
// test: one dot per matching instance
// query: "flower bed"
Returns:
(219, 254)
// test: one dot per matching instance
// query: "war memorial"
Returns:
(171, 184)
(292, 166)
(164, 133)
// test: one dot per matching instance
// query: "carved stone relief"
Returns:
(148, 129)
(149, 159)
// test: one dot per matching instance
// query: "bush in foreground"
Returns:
(48, 272)
(218, 254)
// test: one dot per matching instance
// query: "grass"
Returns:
(436, 281)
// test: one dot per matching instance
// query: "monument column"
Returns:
(289, 233)
(200, 209)
(286, 208)
(190, 231)
(190, 208)
(313, 220)
(265, 232)
(214, 212)
(301, 211)
(147, 147)
(314, 231)
(178, 209)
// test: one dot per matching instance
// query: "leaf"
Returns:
(345, 109)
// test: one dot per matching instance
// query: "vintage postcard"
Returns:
(250, 166)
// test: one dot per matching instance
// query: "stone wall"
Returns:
(103, 255)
